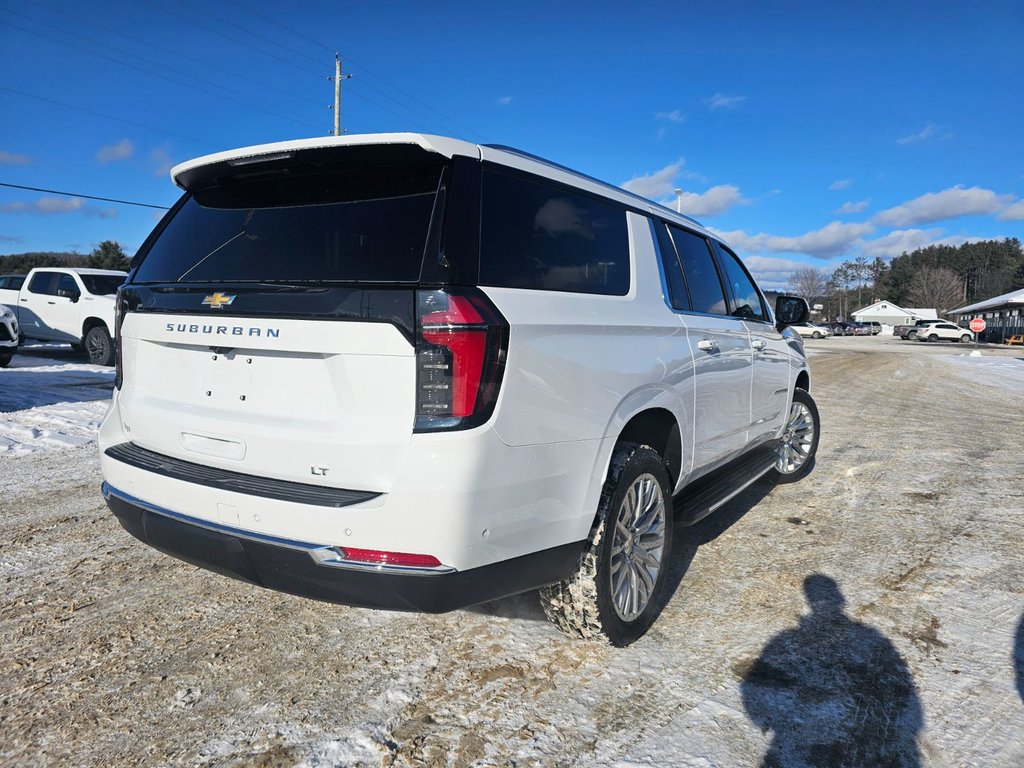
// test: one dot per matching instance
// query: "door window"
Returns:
(746, 299)
(677, 295)
(44, 283)
(706, 294)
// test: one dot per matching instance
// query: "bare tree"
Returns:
(810, 283)
(936, 287)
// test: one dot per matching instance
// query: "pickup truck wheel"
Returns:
(615, 594)
(99, 346)
(912, 335)
(5, 359)
(798, 445)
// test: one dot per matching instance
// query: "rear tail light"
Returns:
(461, 344)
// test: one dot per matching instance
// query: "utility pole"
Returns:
(338, 77)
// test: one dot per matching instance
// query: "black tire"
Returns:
(803, 398)
(5, 358)
(99, 346)
(933, 338)
(965, 339)
(584, 605)
(816, 335)
(912, 335)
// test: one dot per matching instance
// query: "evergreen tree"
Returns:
(109, 255)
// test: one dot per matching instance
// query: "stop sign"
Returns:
(977, 325)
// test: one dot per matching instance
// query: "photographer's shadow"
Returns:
(1018, 658)
(833, 691)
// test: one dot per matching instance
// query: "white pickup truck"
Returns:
(73, 305)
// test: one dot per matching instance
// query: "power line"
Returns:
(111, 117)
(158, 75)
(352, 62)
(275, 109)
(86, 197)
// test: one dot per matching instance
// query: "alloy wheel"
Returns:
(638, 545)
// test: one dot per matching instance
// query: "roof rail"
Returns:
(620, 190)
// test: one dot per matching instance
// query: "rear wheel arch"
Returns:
(91, 322)
(658, 428)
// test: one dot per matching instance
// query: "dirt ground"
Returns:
(870, 614)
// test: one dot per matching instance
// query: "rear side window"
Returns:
(44, 283)
(102, 285)
(706, 294)
(351, 223)
(551, 238)
(746, 299)
(67, 283)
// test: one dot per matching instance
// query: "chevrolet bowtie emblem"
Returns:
(218, 300)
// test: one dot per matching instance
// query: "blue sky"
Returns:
(807, 133)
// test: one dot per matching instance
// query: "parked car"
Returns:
(68, 305)
(945, 332)
(859, 329)
(8, 335)
(841, 328)
(911, 331)
(812, 330)
(873, 326)
(11, 282)
(466, 380)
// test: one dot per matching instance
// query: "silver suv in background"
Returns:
(408, 372)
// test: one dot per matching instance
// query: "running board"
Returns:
(701, 498)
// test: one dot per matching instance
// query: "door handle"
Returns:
(759, 344)
(51, 302)
(707, 345)
(25, 300)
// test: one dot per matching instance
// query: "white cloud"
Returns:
(505, 101)
(51, 205)
(721, 101)
(675, 116)
(899, 241)
(11, 239)
(947, 204)
(714, 201)
(839, 184)
(831, 240)
(1014, 212)
(163, 161)
(11, 158)
(929, 132)
(656, 184)
(857, 207)
(120, 151)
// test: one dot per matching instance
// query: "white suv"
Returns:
(945, 332)
(403, 371)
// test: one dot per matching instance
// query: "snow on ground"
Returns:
(869, 615)
(988, 370)
(51, 399)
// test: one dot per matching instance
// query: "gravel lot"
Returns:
(871, 614)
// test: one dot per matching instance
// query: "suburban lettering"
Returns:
(223, 330)
(273, 333)
(236, 331)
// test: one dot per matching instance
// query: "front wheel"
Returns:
(795, 452)
(965, 339)
(615, 593)
(5, 359)
(99, 346)
(816, 335)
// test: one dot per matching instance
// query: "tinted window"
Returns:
(359, 223)
(536, 235)
(67, 283)
(13, 282)
(746, 299)
(102, 285)
(677, 296)
(44, 282)
(701, 274)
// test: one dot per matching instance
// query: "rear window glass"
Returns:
(102, 285)
(537, 235)
(357, 223)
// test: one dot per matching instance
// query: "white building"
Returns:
(887, 313)
(1003, 315)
